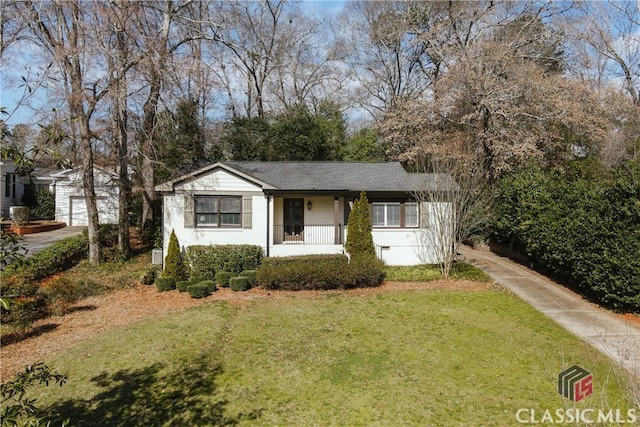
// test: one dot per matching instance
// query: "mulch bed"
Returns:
(96, 315)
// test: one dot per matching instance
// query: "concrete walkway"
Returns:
(37, 241)
(611, 335)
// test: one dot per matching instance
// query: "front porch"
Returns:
(305, 224)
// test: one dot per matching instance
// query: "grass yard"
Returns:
(338, 358)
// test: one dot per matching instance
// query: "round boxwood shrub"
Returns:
(182, 285)
(165, 284)
(199, 290)
(210, 284)
(251, 275)
(222, 278)
(239, 283)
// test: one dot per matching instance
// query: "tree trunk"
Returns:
(120, 133)
(148, 154)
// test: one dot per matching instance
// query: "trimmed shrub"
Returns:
(173, 263)
(149, 277)
(199, 290)
(205, 261)
(182, 285)
(239, 283)
(251, 275)
(58, 257)
(23, 313)
(62, 292)
(165, 284)
(210, 284)
(222, 278)
(318, 272)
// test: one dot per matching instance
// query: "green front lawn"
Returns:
(392, 358)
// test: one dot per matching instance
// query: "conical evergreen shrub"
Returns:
(359, 238)
(174, 265)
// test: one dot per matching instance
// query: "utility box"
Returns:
(156, 257)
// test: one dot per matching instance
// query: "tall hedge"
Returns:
(579, 224)
(359, 239)
(205, 261)
(174, 265)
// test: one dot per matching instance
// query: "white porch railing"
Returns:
(308, 234)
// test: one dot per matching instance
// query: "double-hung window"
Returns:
(394, 214)
(218, 211)
(385, 215)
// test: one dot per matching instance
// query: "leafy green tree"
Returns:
(174, 265)
(299, 135)
(247, 138)
(359, 239)
(364, 146)
(331, 123)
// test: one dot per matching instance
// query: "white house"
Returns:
(12, 187)
(71, 207)
(297, 208)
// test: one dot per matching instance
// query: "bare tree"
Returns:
(270, 55)
(387, 52)
(605, 53)
(61, 29)
(163, 27)
(460, 204)
(608, 42)
(119, 62)
(503, 99)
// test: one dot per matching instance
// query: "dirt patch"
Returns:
(96, 315)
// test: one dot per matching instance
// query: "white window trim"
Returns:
(219, 225)
(402, 224)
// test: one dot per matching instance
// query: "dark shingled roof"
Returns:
(334, 176)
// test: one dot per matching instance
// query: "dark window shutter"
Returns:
(247, 212)
(189, 211)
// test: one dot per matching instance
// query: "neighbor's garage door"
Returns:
(78, 215)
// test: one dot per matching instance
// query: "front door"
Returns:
(293, 220)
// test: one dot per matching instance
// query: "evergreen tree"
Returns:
(173, 263)
(359, 239)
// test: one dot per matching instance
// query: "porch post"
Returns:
(268, 224)
(336, 222)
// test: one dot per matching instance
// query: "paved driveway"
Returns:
(607, 332)
(37, 241)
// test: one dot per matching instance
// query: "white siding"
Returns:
(219, 182)
(15, 190)
(70, 202)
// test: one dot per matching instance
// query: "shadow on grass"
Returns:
(151, 396)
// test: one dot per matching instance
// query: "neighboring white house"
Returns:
(71, 207)
(12, 187)
(14, 184)
(298, 208)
